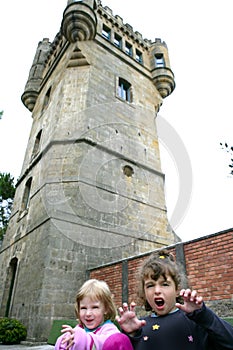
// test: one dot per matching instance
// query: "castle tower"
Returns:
(91, 188)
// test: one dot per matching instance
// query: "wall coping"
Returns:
(166, 247)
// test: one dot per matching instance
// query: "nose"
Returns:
(157, 289)
(89, 312)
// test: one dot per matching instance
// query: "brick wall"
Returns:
(207, 261)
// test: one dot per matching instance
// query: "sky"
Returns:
(192, 121)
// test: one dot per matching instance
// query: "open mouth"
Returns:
(159, 302)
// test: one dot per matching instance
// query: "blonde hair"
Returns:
(97, 290)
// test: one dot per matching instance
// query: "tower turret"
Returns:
(79, 20)
(35, 78)
(162, 74)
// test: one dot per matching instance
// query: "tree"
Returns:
(1, 113)
(7, 192)
(228, 149)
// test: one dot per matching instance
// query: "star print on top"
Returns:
(155, 327)
(190, 338)
(180, 331)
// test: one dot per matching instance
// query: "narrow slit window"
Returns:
(26, 195)
(125, 90)
(159, 60)
(46, 99)
(36, 144)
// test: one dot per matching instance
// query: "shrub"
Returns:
(12, 331)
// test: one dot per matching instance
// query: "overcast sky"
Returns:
(198, 115)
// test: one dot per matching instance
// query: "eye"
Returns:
(83, 308)
(166, 284)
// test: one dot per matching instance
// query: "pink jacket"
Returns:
(106, 337)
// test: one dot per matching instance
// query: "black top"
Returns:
(201, 330)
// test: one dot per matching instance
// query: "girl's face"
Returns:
(161, 294)
(91, 312)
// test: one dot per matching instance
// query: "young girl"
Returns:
(96, 312)
(172, 325)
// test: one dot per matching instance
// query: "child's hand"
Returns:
(128, 319)
(192, 301)
(68, 336)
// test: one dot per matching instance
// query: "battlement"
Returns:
(88, 20)
(106, 15)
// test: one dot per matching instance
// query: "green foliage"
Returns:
(7, 192)
(12, 331)
(1, 113)
(7, 188)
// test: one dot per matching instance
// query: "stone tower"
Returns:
(91, 188)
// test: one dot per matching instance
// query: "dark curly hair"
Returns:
(161, 263)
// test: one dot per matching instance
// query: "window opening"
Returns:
(26, 195)
(106, 32)
(128, 170)
(46, 99)
(117, 40)
(11, 279)
(159, 60)
(139, 56)
(124, 90)
(128, 49)
(36, 144)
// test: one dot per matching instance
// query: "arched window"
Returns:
(46, 99)
(124, 90)
(26, 195)
(36, 147)
(9, 287)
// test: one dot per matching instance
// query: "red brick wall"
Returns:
(112, 275)
(209, 268)
(209, 265)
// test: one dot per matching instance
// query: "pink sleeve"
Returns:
(117, 341)
(85, 341)
(81, 340)
(59, 345)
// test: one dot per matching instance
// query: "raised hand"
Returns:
(68, 336)
(191, 299)
(128, 319)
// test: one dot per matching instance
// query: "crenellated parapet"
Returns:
(79, 21)
(105, 15)
(151, 55)
(88, 20)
